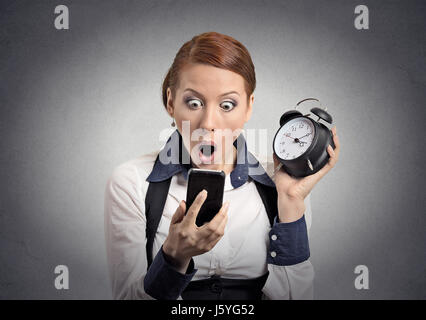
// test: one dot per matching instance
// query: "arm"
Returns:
(291, 269)
(290, 272)
(163, 281)
(125, 234)
(173, 267)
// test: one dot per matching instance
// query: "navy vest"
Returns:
(215, 287)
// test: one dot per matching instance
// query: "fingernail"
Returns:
(204, 192)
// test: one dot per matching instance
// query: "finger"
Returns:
(276, 161)
(210, 238)
(331, 151)
(332, 161)
(277, 164)
(220, 231)
(179, 213)
(192, 213)
(215, 237)
(334, 155)
(336, 142)
(208, 228)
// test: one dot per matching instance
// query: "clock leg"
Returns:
(310, 165)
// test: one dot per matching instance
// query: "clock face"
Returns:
(294, 138)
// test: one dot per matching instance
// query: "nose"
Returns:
(208, 120)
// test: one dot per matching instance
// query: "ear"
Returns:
(249, 107)
(170, 105)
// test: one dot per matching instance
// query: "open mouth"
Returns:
(207, 151)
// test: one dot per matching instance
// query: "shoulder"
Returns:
(130, 176)
(266, 162)
(141, 165)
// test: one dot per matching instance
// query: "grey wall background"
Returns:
(76, 103)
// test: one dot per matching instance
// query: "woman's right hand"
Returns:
(186, 240)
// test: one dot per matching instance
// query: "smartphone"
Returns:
(213, 181)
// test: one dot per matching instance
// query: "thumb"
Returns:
(276, 162)
(179, 213)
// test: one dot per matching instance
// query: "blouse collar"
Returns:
(174, 158)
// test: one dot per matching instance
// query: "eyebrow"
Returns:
(221, 95)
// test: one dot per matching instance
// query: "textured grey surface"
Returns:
(76, 103)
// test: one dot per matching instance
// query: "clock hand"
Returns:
(300, 141)
(288, 136)
(294, 139)
(305, 135)
(297, 140)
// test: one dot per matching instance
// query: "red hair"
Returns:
(214, 49)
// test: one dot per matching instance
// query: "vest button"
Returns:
(274, 237)
(273, 254)
(216, 288)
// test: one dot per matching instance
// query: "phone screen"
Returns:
(213, 182)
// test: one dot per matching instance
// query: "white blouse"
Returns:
(241, 253)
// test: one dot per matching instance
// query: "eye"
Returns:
(194, 103)
(228, 106)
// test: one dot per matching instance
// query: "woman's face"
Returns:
(210, 108)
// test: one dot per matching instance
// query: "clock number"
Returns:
(293, 128)
(301, 126)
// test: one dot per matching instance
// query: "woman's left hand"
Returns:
(292, 191)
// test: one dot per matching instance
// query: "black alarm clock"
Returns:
(301, 142)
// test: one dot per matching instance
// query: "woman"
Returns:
(242, 253)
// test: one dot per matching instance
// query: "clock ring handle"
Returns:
(310, 99)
